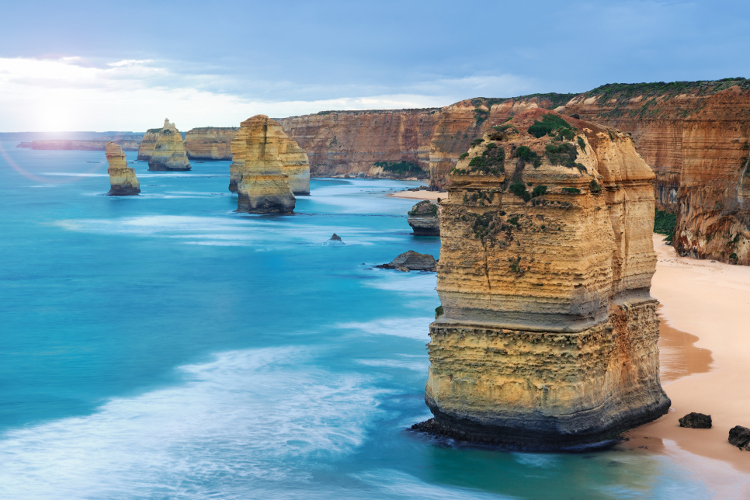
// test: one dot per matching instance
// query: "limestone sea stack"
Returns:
(295, 163)
(122, 179)
(423, 219)
(548, 338)
(169, 150)
(257, 169)
(146, 147)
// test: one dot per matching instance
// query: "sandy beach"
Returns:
(422, 194)
(705, 366)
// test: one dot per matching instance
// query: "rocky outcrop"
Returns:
(209, 143)
(146, 147)
(423, 219)
(696, 421)
(169, 150)
(257, 169)
(296, 166)
(740, 437)
(412, 261)
(122, 179)
(548, 337)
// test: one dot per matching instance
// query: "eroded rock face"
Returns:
(549, 333)
(146, 147)
(169, 150)
(296, 166)
(122, 179)
(209, 143)
(423, 219)
(257, 169)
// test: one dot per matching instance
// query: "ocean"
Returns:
(164, 346)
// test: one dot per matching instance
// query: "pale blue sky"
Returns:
(128, 65)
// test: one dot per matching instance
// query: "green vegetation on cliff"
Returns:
(551, 123)
(399, 167)
(664, 223)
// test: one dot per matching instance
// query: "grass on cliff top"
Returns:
(664, 223)
(623, 92)
(550, 123)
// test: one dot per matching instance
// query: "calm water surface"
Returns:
(163, 346)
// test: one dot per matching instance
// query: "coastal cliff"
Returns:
(169, 150)
(548, 337)
(80, 145)
(209, 143)
(122, 179)
(257, 169)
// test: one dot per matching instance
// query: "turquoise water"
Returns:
(163, 346)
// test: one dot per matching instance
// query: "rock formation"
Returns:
(296, 166)
(740, 437)
(335, 237)
(210, 143)
(122, 179)
(423, 219)
(146, 147)
(169, 150)
(257, 169)
(549, 333)
(412, 261)
(696, 421)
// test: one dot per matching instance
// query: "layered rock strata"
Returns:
(296, 166)
(257, 169)
(146, 147)
(423, 219)
(122, 179)
(169, 150)
(209, 143)
(549, 334)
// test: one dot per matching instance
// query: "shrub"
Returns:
(664, 223)
(438, 311)
(581, 144)
(538, 191)
(561, 154)
(549, 124)
(463, 155)
(571, 190)
(491, 161)
(733, 256)
(519, 189)
(526, 154)
(477, 142)
(595, 187)
(400, 167)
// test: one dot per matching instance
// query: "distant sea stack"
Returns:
(169, 150)
(210, 143)
(146, 147)
(257, 169)
(423, 219)
(548, 337)
(122, 179)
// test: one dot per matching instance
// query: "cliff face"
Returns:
(351, 143)
(169, 150)
(146, 148)
(122, 179)
(257, 169)
(210, 143)
(696, 137)
(549, 334)
(296, 165)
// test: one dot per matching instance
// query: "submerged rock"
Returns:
(412, 261)
(169, 150)
(122, 179)
(423, 219)
(696, 421)
(740, 437)
(257, 169)
(548, 339)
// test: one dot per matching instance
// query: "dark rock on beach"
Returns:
(412, 261)
(740, 437)
(696, 421)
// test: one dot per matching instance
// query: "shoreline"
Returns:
(704, 349)
(422, 194)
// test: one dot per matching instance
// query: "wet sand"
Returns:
(705, 367)
(422, 194)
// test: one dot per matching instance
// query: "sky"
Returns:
(99, 66)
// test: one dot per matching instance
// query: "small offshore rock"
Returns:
(411, 261)
(423, 219)
(740, 437)
(695, 420)
(335, 237)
